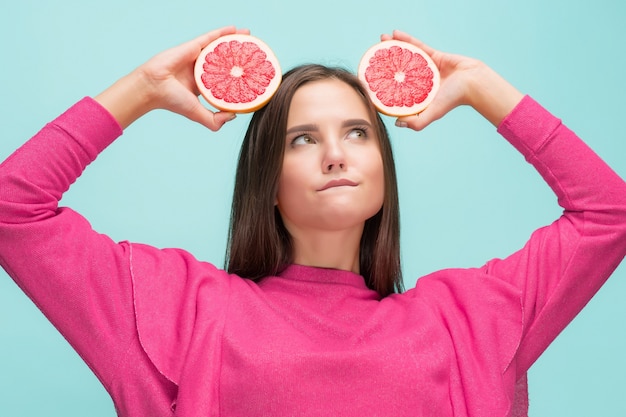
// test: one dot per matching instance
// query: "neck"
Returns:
(328, 249)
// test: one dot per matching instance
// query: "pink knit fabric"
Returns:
(170, 335)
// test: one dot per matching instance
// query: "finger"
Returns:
(411, 122)
(419, 121)
(205, 39)
(212, 121)
(221, 118)
(194, 46)
(209, 119)
(402, 36)
(191, 49)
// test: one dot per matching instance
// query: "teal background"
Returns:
(466, 195)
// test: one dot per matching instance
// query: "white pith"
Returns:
(236, 71)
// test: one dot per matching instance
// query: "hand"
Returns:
(166, 81)
(464, 81)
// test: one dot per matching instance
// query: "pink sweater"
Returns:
(167, 334)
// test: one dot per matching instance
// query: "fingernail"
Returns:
(401, 124)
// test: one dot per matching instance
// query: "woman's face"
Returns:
(332, 176)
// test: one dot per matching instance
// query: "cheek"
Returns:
(289, 184)
(377, 177)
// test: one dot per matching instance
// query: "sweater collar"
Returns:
(322, 275)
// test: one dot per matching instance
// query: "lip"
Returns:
(340, 182)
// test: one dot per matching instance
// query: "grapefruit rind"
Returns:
(236, 73)
(405, 109)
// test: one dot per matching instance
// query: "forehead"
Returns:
(327, 99)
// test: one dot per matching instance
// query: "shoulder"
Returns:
(482, 313)
(172, 290)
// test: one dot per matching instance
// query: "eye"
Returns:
(302, 140)
(357, 133)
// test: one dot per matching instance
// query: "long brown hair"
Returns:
(258, 242)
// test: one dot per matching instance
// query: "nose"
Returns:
(334, 157)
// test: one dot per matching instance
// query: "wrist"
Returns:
(491, 95)
(128, 98)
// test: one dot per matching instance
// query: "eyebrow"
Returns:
(312, 127)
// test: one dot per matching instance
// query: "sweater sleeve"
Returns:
(564, 264)
(78, 278)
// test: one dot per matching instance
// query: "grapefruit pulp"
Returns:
(237, 73)
(400, 78)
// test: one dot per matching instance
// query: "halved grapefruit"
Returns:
(237, 73)
(401, 78)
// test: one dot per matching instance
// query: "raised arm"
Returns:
(464, 81)
(165, 82)
(564, 264)
(80, 279)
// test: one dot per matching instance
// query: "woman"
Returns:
(319, 327)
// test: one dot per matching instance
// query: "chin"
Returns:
(332, 217)
(339, 220)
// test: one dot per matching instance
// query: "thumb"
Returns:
(418, 121)
(435, 111)
(209, 119)
(222, 117)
